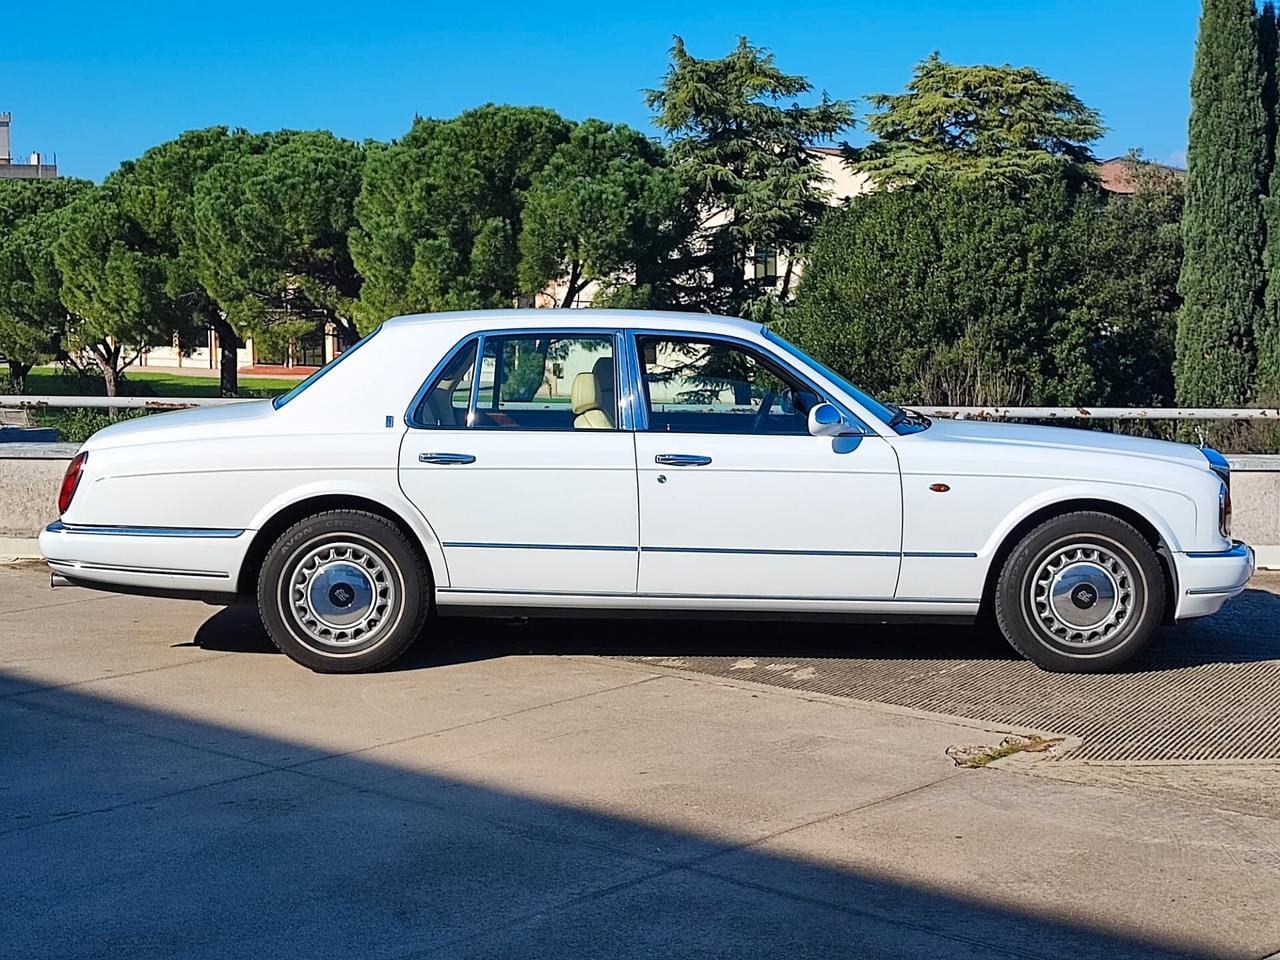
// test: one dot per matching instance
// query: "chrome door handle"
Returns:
(681, 460)
(446, 458)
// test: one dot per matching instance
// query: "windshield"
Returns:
(280, 401)
(890, 414)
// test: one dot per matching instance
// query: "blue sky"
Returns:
(99, 83)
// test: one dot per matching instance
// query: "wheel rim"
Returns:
(1082, 594)
(341, 594)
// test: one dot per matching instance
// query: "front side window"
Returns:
(711, 386)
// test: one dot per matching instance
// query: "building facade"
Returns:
(34, 168)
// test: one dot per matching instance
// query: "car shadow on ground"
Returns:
(1244, 631)
(127, 830)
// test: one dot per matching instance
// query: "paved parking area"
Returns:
(170, 787)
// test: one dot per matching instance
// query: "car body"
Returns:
(631, 460)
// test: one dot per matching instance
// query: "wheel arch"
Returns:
(277, 518)
(1159, 540)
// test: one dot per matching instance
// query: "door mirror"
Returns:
(825, 421)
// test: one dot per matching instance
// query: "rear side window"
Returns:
(525, 381)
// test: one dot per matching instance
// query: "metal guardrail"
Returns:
(121, 403)
(1101, 413)
(963, 413)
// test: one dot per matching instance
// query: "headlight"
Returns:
(1224, 510)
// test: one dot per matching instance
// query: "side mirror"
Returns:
(826, 421)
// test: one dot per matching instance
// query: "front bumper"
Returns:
(146, 559)
(1208, 580)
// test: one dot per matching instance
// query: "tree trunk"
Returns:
(228, 359)
(18, 375)
(572, 290)
(107, 356)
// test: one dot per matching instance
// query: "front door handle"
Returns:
(681, 460)
(446, 458)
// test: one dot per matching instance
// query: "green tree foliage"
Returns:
(158, 191)
(271, 230)
(970, 294)
(32, 317)
(607, 209)
(440, 212)
(742, 142)
(1222, 277)
(1267, 335)
(992, 124)
(114, 286)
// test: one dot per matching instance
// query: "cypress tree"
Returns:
(1267, 336)
(1222, 277)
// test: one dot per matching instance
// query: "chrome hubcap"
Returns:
(1082, 594)
(341, 593)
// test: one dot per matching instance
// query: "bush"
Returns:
(971, 295)
(78, 425)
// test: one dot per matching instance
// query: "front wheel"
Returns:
(343, 591)
(1080, 593)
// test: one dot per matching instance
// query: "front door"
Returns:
(738, 500)
(523, 470)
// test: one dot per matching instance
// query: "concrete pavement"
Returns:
(171, 787)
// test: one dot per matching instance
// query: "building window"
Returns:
(764, 264)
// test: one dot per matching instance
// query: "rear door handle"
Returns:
(681, 460)
(446, 458)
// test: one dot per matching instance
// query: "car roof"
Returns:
(551, 318)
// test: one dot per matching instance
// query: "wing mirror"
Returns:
(825, 421)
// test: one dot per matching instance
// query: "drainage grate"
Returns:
(1205, 691)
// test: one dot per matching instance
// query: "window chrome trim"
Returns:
(479, 336)
(855, 421)
(208, 533)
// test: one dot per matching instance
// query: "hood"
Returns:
(157, 427)
(1064, 439)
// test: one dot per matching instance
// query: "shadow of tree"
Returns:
(127, 831)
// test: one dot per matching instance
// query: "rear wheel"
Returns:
(343, 591)
(1081, 592)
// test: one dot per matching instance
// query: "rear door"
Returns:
(518, 458)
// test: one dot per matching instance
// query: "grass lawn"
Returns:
(49, 382)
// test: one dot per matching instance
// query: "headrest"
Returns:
(584, 395)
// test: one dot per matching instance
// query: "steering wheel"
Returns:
(758, 421)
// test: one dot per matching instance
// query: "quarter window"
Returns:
(446, 403)
(710, 386)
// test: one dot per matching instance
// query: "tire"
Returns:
(344, 591)
(1081, 593)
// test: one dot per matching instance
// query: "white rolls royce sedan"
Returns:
(539, 460)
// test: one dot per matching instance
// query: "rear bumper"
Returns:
(162, 560)
(1208, 580)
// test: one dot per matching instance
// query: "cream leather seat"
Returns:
(592, 397)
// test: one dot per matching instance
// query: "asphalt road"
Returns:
(170, 787)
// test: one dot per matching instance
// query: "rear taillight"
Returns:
(1224, 511)
(71, 480)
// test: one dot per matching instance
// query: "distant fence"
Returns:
(962, 413)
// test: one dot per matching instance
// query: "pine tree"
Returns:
(1222, 277)
(1267, 336)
